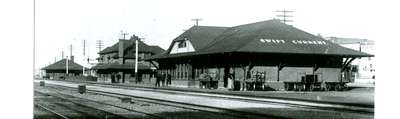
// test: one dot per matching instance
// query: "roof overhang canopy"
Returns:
(268, 38)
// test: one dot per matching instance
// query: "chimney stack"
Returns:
(121, 51)
(72, 58)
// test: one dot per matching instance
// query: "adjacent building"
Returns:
(59, 69)
(364, 68)
(117, 62)
(269, 51)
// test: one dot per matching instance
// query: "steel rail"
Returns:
(232, 112)
(142, 112)
(52, 111)
(364, 110)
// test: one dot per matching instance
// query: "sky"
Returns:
(61, 23)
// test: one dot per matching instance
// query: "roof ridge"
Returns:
(233, 28)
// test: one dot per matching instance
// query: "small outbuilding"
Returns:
(58, 70)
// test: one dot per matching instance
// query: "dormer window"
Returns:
(182, 44)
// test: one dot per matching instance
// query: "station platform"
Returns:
(358, 96)
(271, 108)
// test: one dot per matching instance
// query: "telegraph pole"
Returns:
(123, 34)
(88, 55)
(197, 21)
(284, 15)
(83, 67)
(99, 44)
(66, 66)
(136, 59)
(70, 47)
(84, 46)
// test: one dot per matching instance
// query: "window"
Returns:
(182, 44)
(186, 74)
(182, 75)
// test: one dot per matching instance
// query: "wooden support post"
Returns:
(280, 67)
(347, 63)
(344, 68)
(244, 78)
(315, 68)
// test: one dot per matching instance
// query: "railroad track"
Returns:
(226, 113)
(122, 86)
(94, 111)
(335, 107)
(55, 115)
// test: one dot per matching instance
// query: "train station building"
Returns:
(58, 70)
(117, 62)
(255, 56)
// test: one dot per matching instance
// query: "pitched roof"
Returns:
(129, 45)
(269, 36)
(114, 48)
(273, 36)
(61, 65)
(127, 66)
(199, 36)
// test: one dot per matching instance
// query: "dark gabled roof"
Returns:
(270, 36)
(61, 65)
(114, 48)
(156, 49)
(127, 66)
(129, 45)
(261, 36)
(199, 36)
(130, 52)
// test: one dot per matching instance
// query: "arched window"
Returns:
(182, 44)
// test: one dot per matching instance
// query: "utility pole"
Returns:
(70, 47)
(197, 21)
(83, 67)
(123, 34)
(99, 44)
(136, 59)
(66, 66)
(84, 46)
(284, 15)
(88, 54)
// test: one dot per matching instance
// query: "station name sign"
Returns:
(307, 42)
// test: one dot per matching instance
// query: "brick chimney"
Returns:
(72, 58)
(121, 51)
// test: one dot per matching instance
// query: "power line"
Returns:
(284, 15)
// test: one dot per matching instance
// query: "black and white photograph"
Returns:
(205, 59)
